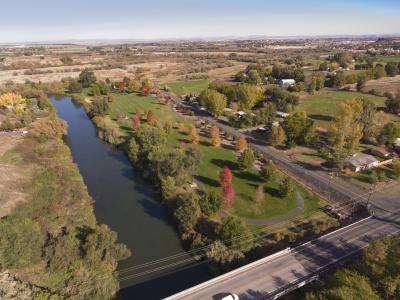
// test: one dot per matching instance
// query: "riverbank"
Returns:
(50, 237)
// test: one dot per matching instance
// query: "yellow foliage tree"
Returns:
(215, 138)
(194, 137)
(13, 101)
(241, 143)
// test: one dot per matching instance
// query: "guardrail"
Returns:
(227, 275)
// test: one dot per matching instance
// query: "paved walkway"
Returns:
(278, 219)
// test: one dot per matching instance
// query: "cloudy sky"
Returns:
(38, 20)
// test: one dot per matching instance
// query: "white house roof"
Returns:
(361, 160)
(288, 81)
(282, 114)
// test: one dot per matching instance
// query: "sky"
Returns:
(52, 20)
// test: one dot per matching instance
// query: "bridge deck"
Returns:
(280, 273)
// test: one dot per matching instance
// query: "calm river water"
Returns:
(129, 206)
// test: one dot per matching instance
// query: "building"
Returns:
(381, 152)
(397, 145)
(360, 161)
(287, 82)
(282, 114)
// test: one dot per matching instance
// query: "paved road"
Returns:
(266, 280)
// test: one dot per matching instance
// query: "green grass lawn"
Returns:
(386, 58)
(187, 87)
(324, 105)
(213, 160)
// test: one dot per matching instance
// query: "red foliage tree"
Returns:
(136, 122)
(229, 195)
(120, 85)
(225, 177)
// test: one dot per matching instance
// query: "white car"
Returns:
(231, 297)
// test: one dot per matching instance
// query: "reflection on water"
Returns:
(130, 207)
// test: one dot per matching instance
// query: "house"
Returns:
(397, 145)
(240, 113)
(381, 152)
(360, 161)
(287, 82)
(282, 114)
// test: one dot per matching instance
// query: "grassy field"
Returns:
(385, 58)
(213, 160)
(324, 105)
(187, 87)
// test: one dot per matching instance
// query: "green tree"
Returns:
(286, 187)
(389, 133)
(219, 253)
(99, 107)
(213, 101)
(133, 150)
(74, 87)
(187, 212)
(249, 95)
(86, 78)
(235, 233)
(299, 129)
(268, 171)
(211, 202)
(391, 69)
(246, 159)
(168, 188)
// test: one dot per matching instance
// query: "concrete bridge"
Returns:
(282, 272)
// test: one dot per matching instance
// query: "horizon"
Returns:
(189, 19)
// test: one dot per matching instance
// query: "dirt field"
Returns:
(387, 84)
(12, 177)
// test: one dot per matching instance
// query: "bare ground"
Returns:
(13, 177)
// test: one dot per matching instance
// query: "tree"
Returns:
(285, 187)
(99, 107)
(229, 195)
(134, 85)
(149, 137)
(45, 128)
(389, 133)
(393, 103)
(396, 168)
(277, 137)
(215, 136)
(225, 176)
(135, 122)
(194, 137)
(249, 95)
(241, 143)
(361, 81)
(74, 86)
(108, 130)
(168, 188)
(147, 84)
(284, 100)
(391, 69)
(254, 77)
(268, 171)
(246, 159)
(211, 202)
(236, 234)
(219, 253)
(86, 78)
(133, 150)
(260, 195)
(188, 211)
(213, 101)
(151, 118)
(13, 102)
(299, 129)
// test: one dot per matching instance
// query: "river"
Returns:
(129, 206)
